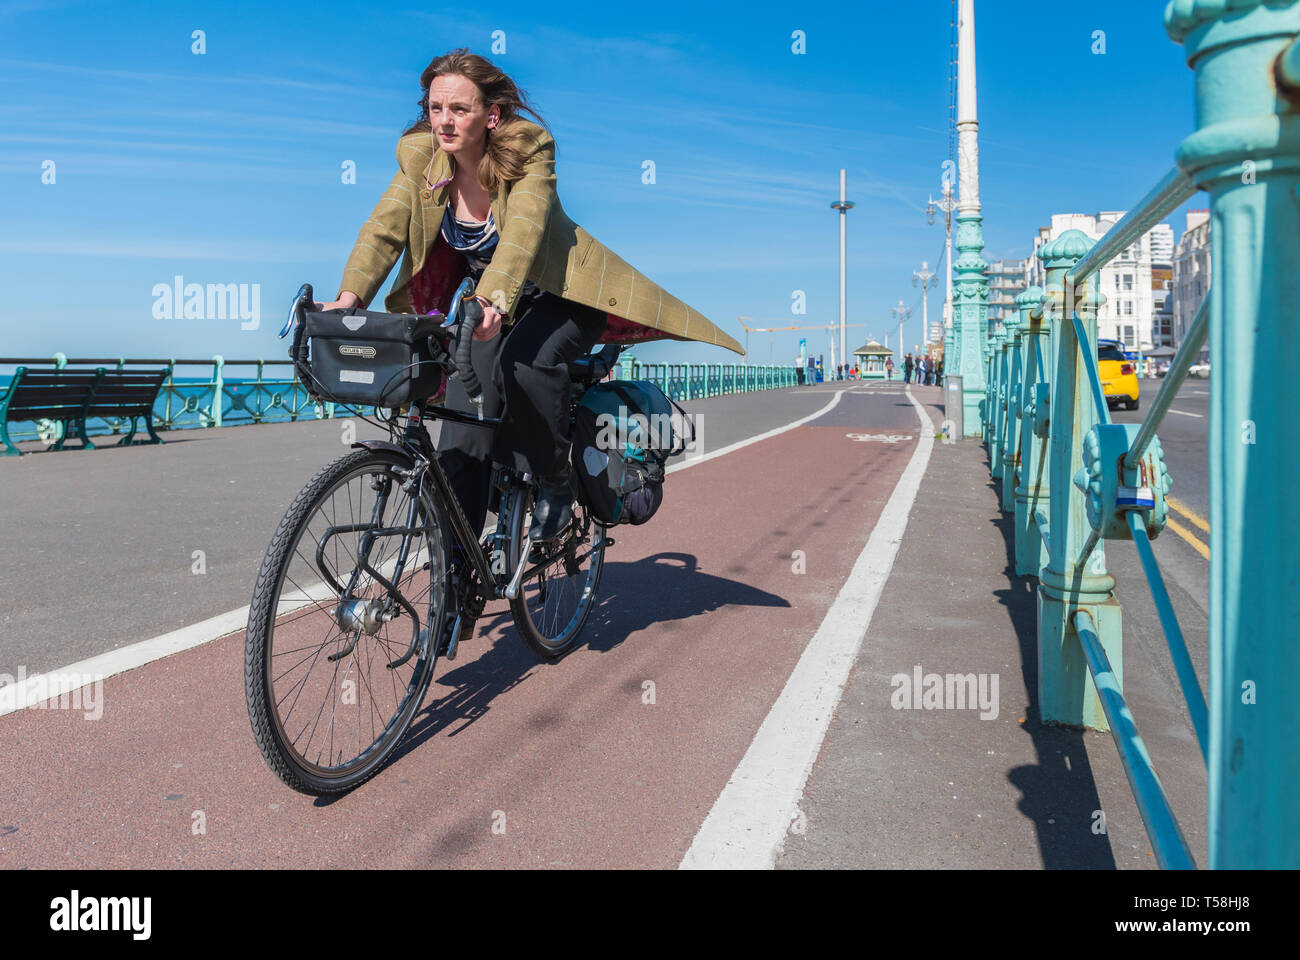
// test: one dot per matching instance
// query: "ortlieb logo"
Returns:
(351, 350)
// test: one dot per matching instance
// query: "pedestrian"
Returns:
(889, 369)
(938, 372)
(907, 369)
(798, 369)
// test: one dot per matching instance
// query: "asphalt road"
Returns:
(511, 762)
(1182, 549)
(107, 547)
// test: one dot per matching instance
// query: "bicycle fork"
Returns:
(353, 614)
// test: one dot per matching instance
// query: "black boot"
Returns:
(554, 508)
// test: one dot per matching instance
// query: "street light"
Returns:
(843, 206)
(947, 204)
(924, 278)
(902, 313)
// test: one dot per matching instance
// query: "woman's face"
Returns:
(458, 116)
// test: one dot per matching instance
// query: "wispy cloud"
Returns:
(251, 80)
(176, 249)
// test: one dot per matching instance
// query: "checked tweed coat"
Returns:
(538, 242)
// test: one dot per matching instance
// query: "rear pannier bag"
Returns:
(370, 358)
(623, 434)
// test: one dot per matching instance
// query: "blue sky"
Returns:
(225, 167)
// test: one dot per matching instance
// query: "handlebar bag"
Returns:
(370, 358)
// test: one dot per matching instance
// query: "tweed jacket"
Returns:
(537, 242)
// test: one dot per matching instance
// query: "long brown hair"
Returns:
(503, 154)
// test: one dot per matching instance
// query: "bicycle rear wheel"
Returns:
(554, 604)
(336, 663)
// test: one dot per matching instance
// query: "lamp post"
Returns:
(843, 206)
(947, 204)
(970, 316)
(924, 278)
(902, 313)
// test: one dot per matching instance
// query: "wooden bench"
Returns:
(72, 396)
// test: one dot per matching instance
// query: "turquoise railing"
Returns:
(1073, 480)
(254, 395)
(232, 392)
(696, 381)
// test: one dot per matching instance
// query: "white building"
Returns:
(1130, 309)
(1191, 271)
(1006, 279)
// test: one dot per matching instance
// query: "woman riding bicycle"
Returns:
(475, 196)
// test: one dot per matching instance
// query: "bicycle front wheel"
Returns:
(348, 605)
(555, 602)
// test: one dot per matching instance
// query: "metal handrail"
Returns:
(1178, 369)
(1167, 840)
(1094, 372)
(1175, 189)
(1192, 693)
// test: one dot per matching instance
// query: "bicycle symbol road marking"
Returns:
(881, 437)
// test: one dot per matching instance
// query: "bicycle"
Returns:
(361, 581)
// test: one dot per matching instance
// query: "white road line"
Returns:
(1184, 413)
(45, 686)
(40, 687)
(747, 826)
(733, 447)
(37, 689)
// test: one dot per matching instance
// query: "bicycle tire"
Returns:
(546, 643)
(265, 613)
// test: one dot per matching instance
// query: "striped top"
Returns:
(477, 240)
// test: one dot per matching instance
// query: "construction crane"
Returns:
(824, 326)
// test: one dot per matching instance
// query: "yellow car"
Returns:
(1119, 380)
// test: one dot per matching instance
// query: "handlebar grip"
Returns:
(471, 314)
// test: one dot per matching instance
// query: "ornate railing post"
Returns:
(1246, 154)
(1010, 401)
(1070, 581)
(997, 400)
(1032, 485)
(984, 419)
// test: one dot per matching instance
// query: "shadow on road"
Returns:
(1059, 793)
(658, 589)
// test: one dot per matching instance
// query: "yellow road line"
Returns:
(1187, 535)
(1188, 513)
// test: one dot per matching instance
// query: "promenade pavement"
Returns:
(962, 788)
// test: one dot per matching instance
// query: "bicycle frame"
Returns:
(415, 442)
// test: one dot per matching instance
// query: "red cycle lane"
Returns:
(610, 758)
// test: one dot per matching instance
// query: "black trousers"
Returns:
(525, 377)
